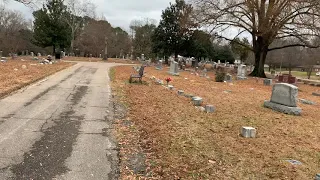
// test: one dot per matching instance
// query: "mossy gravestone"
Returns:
(284, 99)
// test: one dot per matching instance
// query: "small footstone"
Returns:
(188, 95)
(197, 101)
(180, 92)
(316, 94)
(248, 132)
(304, 101)
(210, 108)
(267, 82)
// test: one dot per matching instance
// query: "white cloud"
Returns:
(117, 12)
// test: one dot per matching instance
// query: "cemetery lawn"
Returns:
(180, 141)
(14, 77)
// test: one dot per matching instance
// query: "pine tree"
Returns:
(50, 27)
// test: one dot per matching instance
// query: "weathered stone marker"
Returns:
(210, 108)
(228, 78)
(197, 101)
(242, 71)
(316, 94)
(284, 99)
(174, 68)
(267, 82)
(180, 92)
(170, 87)
(248, 132)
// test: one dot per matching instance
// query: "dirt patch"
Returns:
(183, 142)
(13, 76)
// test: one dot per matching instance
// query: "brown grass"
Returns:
(189, 144)
(14, 77)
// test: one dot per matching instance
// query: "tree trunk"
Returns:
(309, 72)
(290, 68)
(260, 51)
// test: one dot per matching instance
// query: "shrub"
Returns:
(220, 76)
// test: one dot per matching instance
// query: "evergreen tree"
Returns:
(50, 27)
(174, 29)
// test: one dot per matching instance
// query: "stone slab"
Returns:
(180, 92)
(285, 94)
(209, 108)
(248, 132)
(267, 82)
(284, 109)
(316, 94)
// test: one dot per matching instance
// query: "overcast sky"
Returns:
(117, 12)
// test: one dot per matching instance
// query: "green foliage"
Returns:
(50, 27)
(241, 48)
(220, 76)
(174, 30)
(223, 53)
(200, 45)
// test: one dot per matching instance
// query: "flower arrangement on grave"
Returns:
(168, 79)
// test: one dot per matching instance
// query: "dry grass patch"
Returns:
(189, 144)
(13, 76)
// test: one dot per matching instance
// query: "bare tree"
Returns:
(78, 9)
(264, 20)
(11, 23)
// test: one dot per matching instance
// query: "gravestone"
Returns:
(174, 68)
(267, 82)
(287, 78)
(204, 73)
(170, 87)
(209, 108)
(100, 55)
(242, 69)
(159, 65)
(180, 92)
(228, 78)
(32, 54)
(39, 54)
(27, 53)
(248, 132)
(142, 57)
(219, 62)
(197, 101)
(284, 99)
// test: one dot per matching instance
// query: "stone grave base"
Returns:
(174, 74)
(284, 109)
(241, 78)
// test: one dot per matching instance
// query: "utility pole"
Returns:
(105, 57)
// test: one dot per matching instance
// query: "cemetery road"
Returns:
(60, 128)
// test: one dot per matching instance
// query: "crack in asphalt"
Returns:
(47, 156)
(53, 87)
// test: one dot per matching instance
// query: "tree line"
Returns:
(198, 29)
